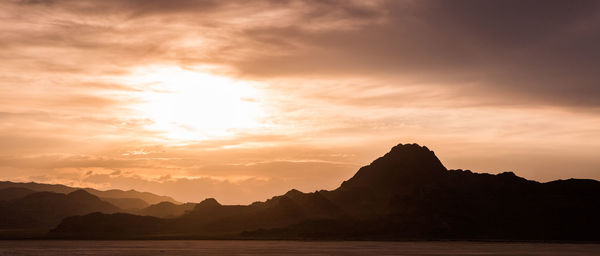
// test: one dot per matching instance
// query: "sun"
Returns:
(193, 104)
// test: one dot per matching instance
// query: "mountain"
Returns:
(147, 197)
(165, 210)
(8, 194)
(40, 211)
(127, 204)
(405, 194)
(26, 213)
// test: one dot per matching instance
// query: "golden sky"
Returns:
(243, 100)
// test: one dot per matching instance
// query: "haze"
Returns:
(243, 100)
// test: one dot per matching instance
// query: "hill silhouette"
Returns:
(39, 211)
(8, 194)
(127, 204)
(165, 210)
(111, 195)
(405, 194)
(25, 213)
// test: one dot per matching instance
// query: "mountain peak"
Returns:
(408, 156)
(293, 193)
(209, 202)
(82, 194)
(164, 204)
(409, 147)
(403, 163)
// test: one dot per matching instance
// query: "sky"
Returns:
(245, 100)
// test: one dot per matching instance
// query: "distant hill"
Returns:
(166, 210)
(128, 204)
(27, 213)
(44, 210)
(7, 194)
(147, 197)
(405, 194)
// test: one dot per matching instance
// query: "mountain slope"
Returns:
(165, 210)
(127, 204)
(8, 194)
(147, 197)
(43, 210)
(406, 194)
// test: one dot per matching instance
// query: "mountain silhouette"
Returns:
(405, 194)
(127, 204)
(165, 210)
(43, 210)
(8, 194)
(26, 213)
(112, 195)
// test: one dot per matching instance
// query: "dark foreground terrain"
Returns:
(183, 248)
(407, 194)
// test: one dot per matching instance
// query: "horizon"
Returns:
(292, 189)
(241, 102)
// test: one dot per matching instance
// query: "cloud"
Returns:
(519, 51)
(542, 52)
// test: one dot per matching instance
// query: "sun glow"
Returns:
(193, 104)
